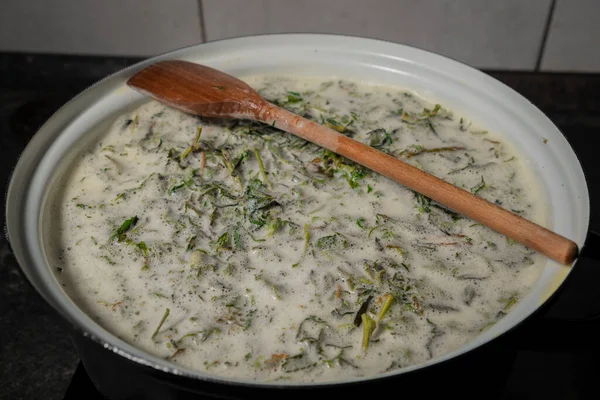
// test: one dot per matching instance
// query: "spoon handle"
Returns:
(459, 200)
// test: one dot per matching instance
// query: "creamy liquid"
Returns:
(310, 268)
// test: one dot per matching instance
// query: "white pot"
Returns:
(464, 89)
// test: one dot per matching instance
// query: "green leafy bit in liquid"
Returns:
(193, 145)
(204, 336)
(305, 248)
(510, 302)
(423, 202)
(332, 123)
(142, 248)
(415, 150)
(361, 223)
(480, 186)
(336, 164)
(261, 167)
(380, 138)
(389, 299)
(191, 243)
(176, 187)
(294, 97)
(256, 200)
(223, 242)
(369, 325)
(162, 321)
(332, 242)
(231, 168)
(119, 234)
(272, 287)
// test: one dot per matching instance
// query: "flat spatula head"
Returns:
(197, 89)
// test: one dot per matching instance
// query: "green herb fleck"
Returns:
(368, 327)
(386, 306)
(361, 223)
(511, 302)
(162, 321)
(191, 243)
(231, 169)
(293, 97)
(424, 203)
(190, 148)
(306, 240)
(274, 289)
(143, 248)
(223, 241)
(335, 241)
(176, 187)
(379, 138)
(125, 226)
(480, 186)
(261, 167)
(415, 150)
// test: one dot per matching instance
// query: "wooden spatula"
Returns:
(204, 91)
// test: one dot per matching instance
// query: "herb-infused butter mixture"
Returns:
(237, 249)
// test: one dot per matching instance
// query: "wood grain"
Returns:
(201, 90)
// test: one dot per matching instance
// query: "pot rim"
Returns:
(16, 234)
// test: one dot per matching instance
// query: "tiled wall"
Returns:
(554, 35)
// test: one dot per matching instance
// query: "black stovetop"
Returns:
(556, 349)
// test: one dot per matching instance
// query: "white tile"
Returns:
(574, 36)
(112, 27)
(491, 34)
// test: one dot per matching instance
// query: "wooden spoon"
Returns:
(204, 91)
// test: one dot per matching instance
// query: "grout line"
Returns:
(538, 63)
(202, 22)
